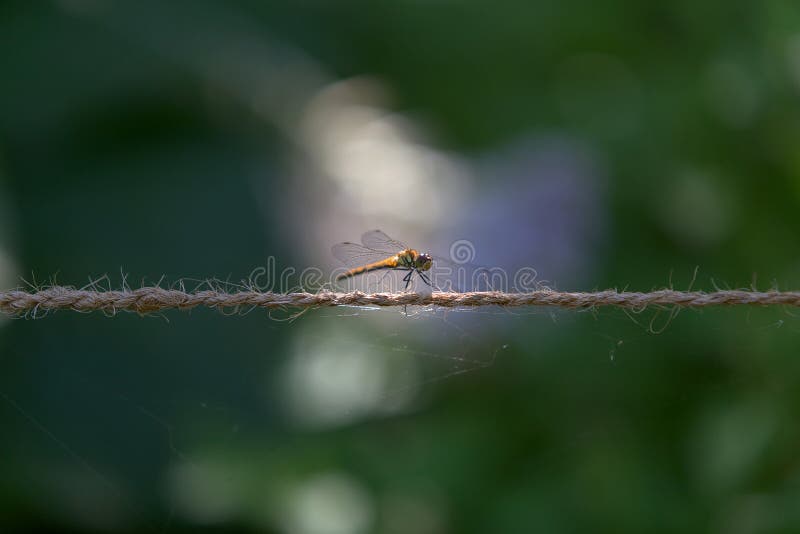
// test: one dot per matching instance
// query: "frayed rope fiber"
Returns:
(155, 299)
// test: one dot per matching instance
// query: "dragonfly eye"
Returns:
(424, 262)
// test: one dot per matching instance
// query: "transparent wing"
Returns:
(377, 240)
(355, 255)
(447, 275)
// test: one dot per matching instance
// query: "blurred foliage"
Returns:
(124, 148)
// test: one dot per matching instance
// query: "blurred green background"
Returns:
(619, 144)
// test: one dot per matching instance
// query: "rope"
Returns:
(155, 299)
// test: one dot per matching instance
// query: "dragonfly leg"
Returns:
(407, 278)
(425, 278)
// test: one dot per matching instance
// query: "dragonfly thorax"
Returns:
(414, 260)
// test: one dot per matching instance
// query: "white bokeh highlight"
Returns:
(328, 503)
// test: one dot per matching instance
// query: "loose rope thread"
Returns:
(154, 299)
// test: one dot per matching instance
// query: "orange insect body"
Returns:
(409, 258)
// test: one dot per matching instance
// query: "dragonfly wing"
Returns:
(377, 240)
(355, 255)
(462, 277)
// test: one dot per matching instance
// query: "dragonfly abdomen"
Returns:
(388, 263)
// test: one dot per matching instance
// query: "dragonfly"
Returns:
(378, 251)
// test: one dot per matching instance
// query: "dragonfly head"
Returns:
(423, 262)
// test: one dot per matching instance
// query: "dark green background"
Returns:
(127, 144)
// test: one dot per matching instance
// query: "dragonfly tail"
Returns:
(385, 264)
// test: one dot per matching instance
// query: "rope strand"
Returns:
(155, 299)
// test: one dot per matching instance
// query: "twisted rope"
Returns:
(154, 299)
